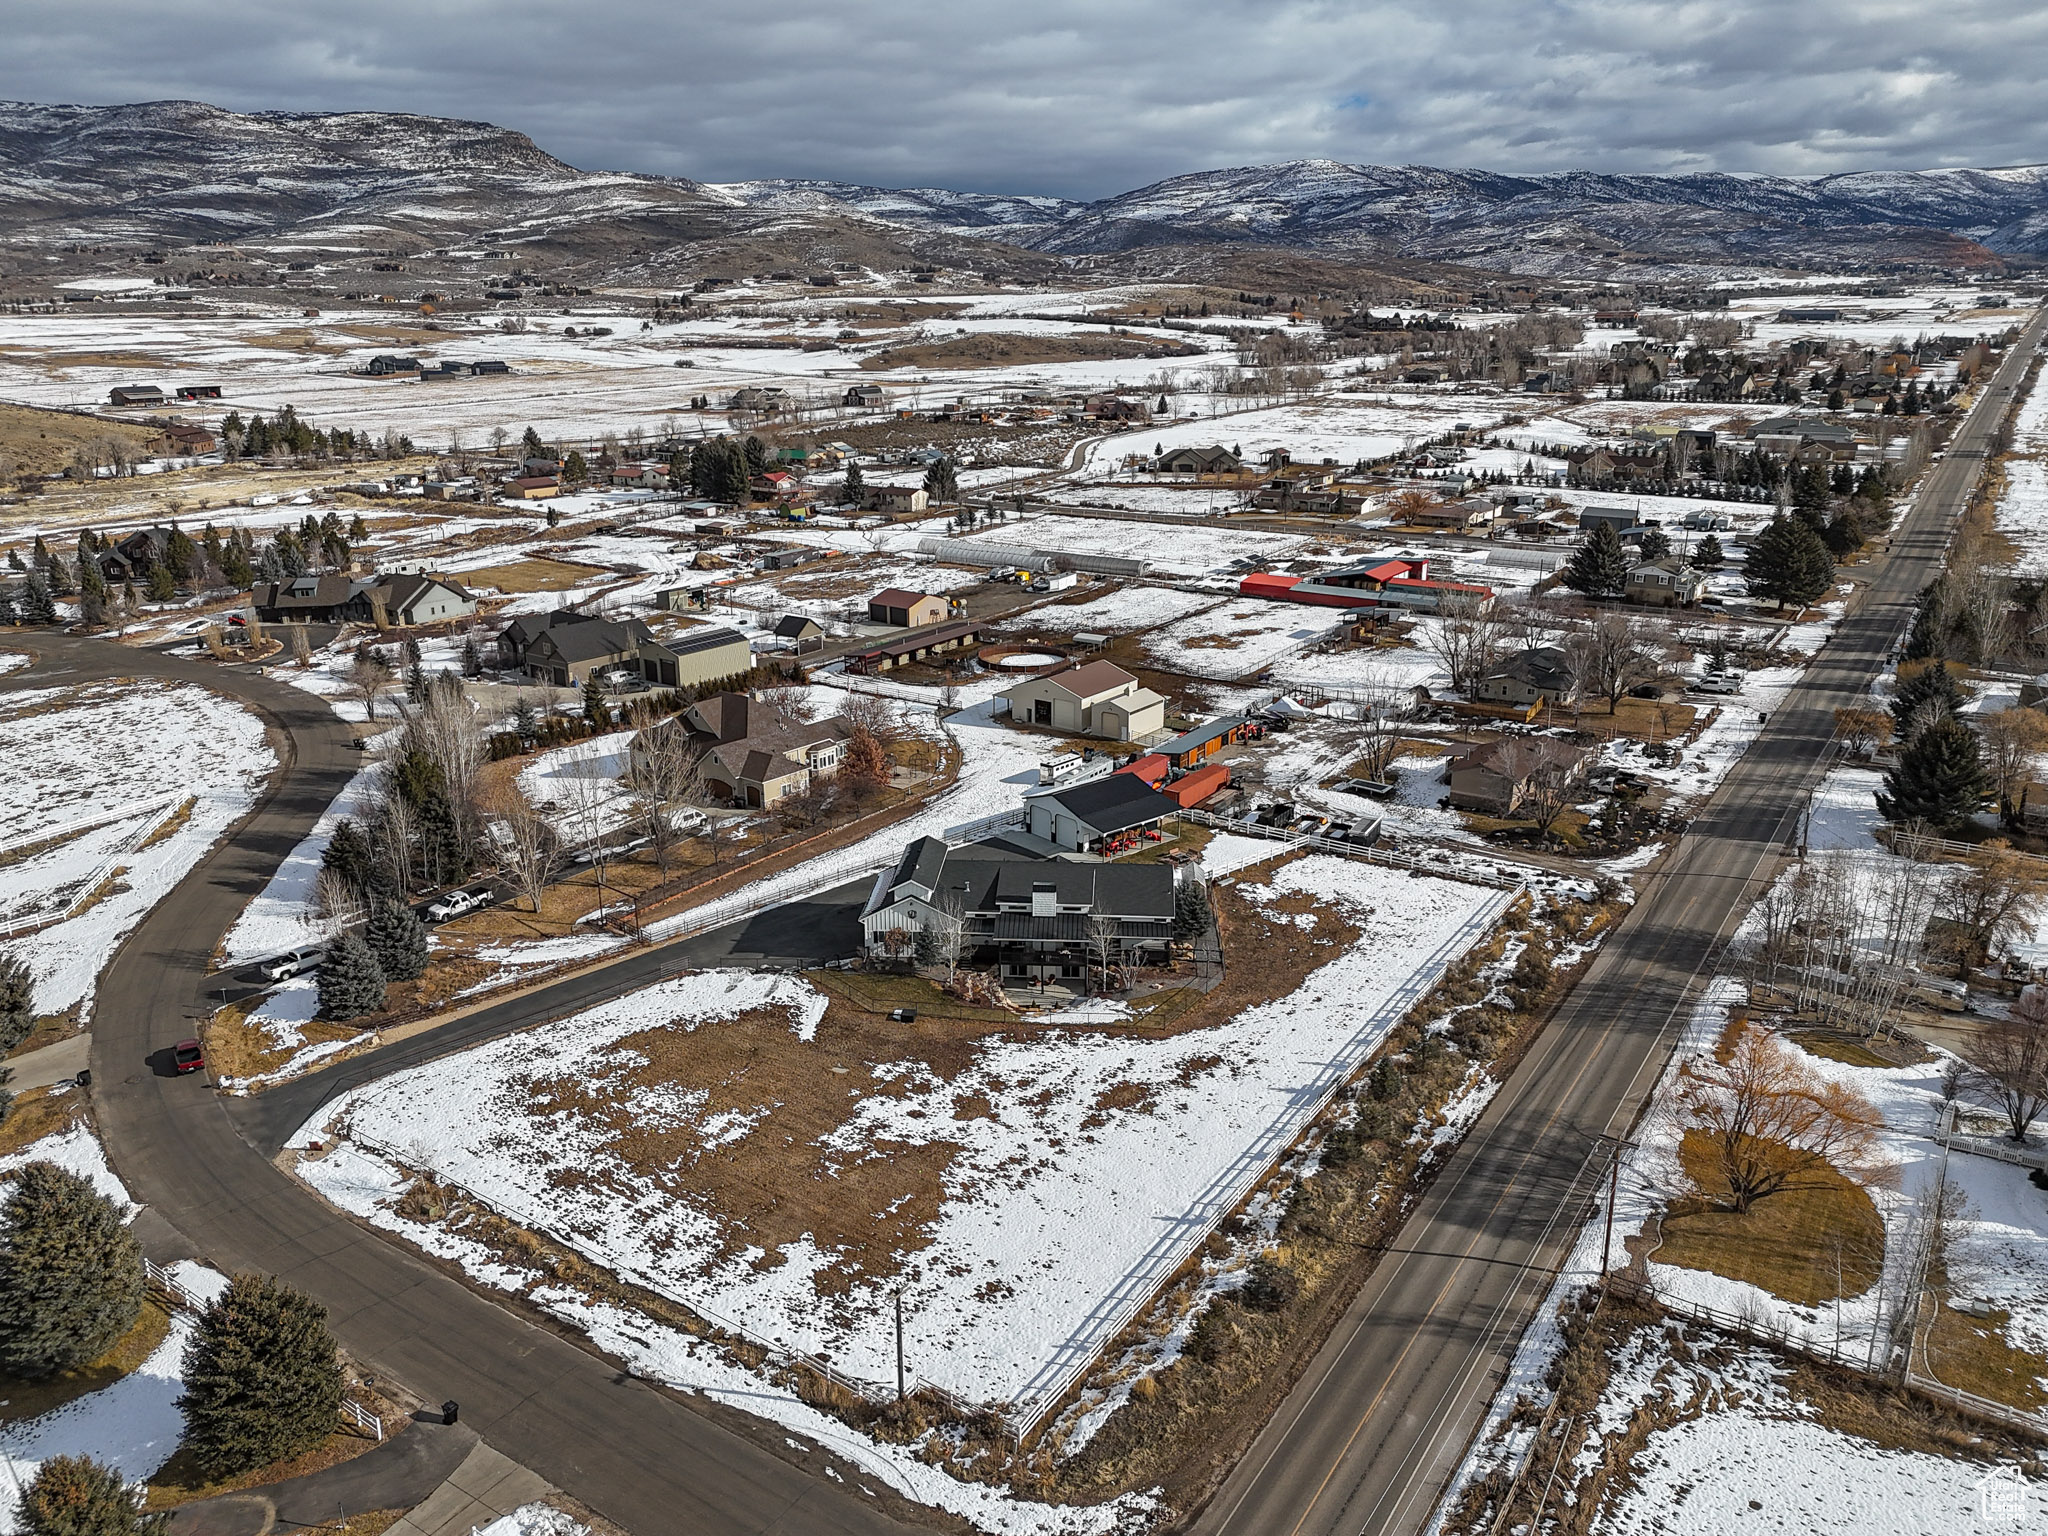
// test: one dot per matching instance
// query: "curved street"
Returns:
(636, 1455)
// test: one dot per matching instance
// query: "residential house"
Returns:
(906, 609)
(1197, 461)
(865, 397)
(187, 441)
(643, 477)
(764, 398)
(484, 367)
(1538, 672)
(385, 364)
(565, 647)
(1036, 920)
(1094, 698)
(1102, 816)
(132, 556)
(1496, 777)
(926, 643)
(748, 753)
(774, 485)
(308, 598)
(1667, 583)
(410, 599)
(135, 394)
(896, 499)
(531, 488)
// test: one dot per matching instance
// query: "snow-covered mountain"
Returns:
(185, 171)
(1511, 222)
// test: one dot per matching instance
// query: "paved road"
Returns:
(643, 1459)
(1364, 1443)
(824, 926)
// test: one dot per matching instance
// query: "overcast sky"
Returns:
(1082, 98)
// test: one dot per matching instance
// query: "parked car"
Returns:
(289, 964)
(1717, 682)
(187, 1056)
(455, 904)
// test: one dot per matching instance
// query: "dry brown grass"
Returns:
(21, 1401)
(40, 442)
(1974, 1354)
(536, 573)
(239, 1049)
(38, 1113)
(1788, 1243)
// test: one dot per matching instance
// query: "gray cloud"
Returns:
(1084, 99)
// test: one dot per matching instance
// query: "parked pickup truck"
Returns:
(456, 903)
(290, 964)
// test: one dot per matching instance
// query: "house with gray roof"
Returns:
(1036, 919)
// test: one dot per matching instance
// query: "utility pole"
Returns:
(899, 1343)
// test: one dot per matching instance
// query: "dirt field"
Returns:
(536, 574)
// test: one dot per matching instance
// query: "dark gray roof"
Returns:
(1131, 891)
(690, 641)
(1114, 803)
(923, 862)
(528, 627)
(600, 637)
(1187, 741)
(1541, 666)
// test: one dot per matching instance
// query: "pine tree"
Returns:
(351, 981)
(162, 586)
(17, 1002)
(416, 684)
(37, 606)
(472, 658)
(1788, 563)
(856, 486)
(1709, 555)
(262, 1378)
(1385, 1082)
(1190, 908)
(1939, 778)
(1923, 698)
(574, 470)
(6, 1094)
(525, 719)
(71, 1281)
(530, 441)
(1655, 544)
(942, 481)
(1599, 566)
(595, 708)
(77, 1496)
(398, 940)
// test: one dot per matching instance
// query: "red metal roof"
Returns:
(1151, 768)
(1198, 786)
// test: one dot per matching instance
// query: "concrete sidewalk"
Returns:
(484, 1487)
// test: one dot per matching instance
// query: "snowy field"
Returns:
(1116, 613)
(1347, 428)
(1074, 1193)
(132, 1424)
(1239, 637)
(1178, 549)
(2022, 512)
(72, 754)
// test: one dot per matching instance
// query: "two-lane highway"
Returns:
(1368, 1437)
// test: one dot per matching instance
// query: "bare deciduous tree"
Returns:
(369, 676)
(1466, 637)
(2014, 740)
(528, 849)
(2010, 1065)
(1772, 1123)
(1862, 731)
(1612, 655)
(1992, 898)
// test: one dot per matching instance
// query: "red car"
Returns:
(186, 1056)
